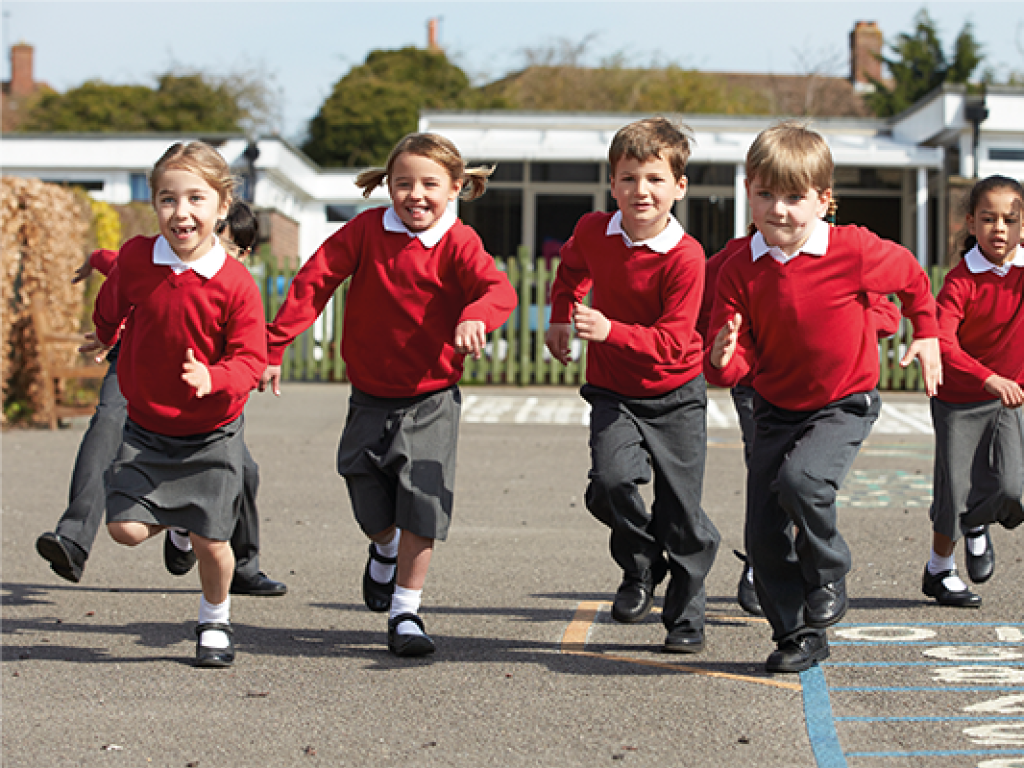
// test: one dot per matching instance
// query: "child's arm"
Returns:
(591, 325)
(557, 341)
(926, 351)
(1007, 390)
(726, 342)
(196, 375)
(109, 312)
(490, 297)
(471, 338)
(730, 357)
(237, 370)
(885, 316)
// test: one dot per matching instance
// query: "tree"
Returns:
(379, 101)
(180, 102)
(919, 65)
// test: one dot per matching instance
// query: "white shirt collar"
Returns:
(429, 237)
(663, 242)
(816, 245)
(977, 263)
(208, 265)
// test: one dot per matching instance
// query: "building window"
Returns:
(504, 170)
(340, 213)
(1005, 153)
(88, 186)
(704, 175)
(575, 173)
(498, 218)
(139, 185)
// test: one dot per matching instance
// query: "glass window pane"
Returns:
(498, 218)
(710, 221)
(556, 218)
(566, 172)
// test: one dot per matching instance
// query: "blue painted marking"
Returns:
(821, 729)
(942, 753)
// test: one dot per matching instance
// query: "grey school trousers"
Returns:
(798, 461)
(979, 466)
(87, 496)
(632, 438)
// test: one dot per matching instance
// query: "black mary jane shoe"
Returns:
(798, 654)
(260, 585)
(377, 595)
(178, 562)
(826, 605)
(66, 558)
(214, 657)
(408, 645)
(980, 567)
(746, 593)
(933, 585)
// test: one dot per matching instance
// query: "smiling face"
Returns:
(188, 209)
(420, 190)
(645, 192)
(996, 224)
(786, 220)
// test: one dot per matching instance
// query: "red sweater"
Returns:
(981, 330)
(220, 319)
(403, 304)
(807, 332)
(652, 300)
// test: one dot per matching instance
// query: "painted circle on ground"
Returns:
(886, 634)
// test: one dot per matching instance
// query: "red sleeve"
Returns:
(885, 316)
(954, 300)
(890, 268)
(729, 301)
(244, 359)
(103, 260)
(707, 301)
(572, 281)
(313, 287)
(491, 296)
(670, 337)
(107, 313)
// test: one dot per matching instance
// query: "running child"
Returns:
(979, 440)
(424, 294)
(645, 385)
(793, 308)
(192, 347)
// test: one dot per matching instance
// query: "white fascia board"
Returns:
(944, 112)
(97, 152)
(1005, 113)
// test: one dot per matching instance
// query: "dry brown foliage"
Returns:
(43, 230)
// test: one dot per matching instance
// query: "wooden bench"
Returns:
(54, 370)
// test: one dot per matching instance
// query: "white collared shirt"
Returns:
(208, 265)
(816, 245)
(429, 237)
(977, 263)
(663, 242)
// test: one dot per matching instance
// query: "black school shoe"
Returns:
(214, 657)
(260, 585)
(177, 561)
(408, 645)
(826, 605)
(980, 567)
(376, 595)
(798, 654)
(684, 640)
(66, 558)
(746, 594)
(932, 586)
(635, 595)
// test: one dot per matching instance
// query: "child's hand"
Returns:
(927, 351)
(1007, 390)
(726, 342)
(94, 347)
(196, 375)
(557, 341)
(591, 325)
(471, 338)
(272, 378)
(83, 271)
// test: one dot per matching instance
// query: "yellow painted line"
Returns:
(574, 641)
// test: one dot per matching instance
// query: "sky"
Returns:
(303, 48)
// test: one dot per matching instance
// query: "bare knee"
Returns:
(129, 533)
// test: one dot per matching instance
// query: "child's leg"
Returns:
(216, 567)
(131, 533)
(414, 553)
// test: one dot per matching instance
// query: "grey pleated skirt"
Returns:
(193, 482)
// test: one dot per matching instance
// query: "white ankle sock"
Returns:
(976, 541)
(214, 614)
(406, 601)
(382, 572)
(181, 540)
(938, 564)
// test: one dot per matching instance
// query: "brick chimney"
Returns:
(866, 43)
(22, 81)
(432, 41)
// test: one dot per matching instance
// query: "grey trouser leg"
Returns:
(87, 496)
(979, 466)
(628, 438)
(245, 540)
(743, 402)
(799, 461)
